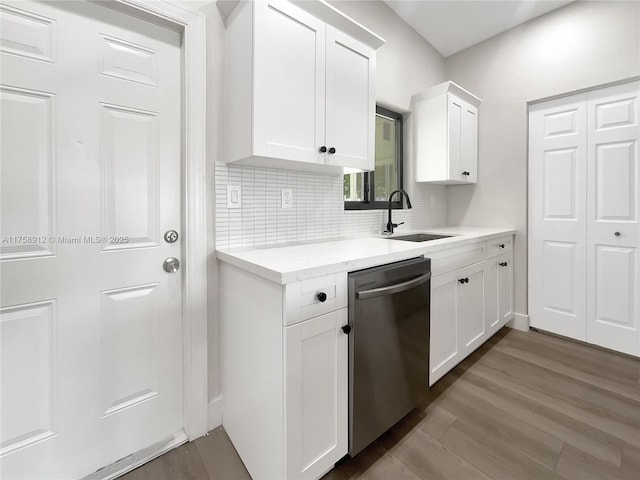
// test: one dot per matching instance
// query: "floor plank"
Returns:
(524, 406)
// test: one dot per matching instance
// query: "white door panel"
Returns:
(444, 342)
(289, 82)
(350, 109)
(557, 216)
(613, 232)
(471, 310)
(90, 323)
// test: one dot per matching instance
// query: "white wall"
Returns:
(581, 45)
(405, 64)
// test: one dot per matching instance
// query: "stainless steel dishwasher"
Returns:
(388, 346)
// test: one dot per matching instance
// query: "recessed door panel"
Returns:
(616, 113)
(27, 161)
(563, 122)
(559, 184)
(615, 183)
(28, 380)
(615, 286)
(129, 61)
(559, 282)
(130, 356)
(27, 34)
(130, 168)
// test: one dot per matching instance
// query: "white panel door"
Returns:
(471, 322)
(443, 351)
(557, 217)
(90, 324)
(289, 82)
(469, 143)
(316, 395)
(505, 288)
(613, 238)
(455, 111)
(351, 104)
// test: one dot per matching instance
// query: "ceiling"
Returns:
(451, 26)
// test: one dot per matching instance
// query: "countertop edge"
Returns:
(284, 276)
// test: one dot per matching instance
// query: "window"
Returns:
(371, 190)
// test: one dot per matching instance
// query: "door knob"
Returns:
(321, 296)
(346, 329)
(332, 150)
(323, 149)
(171, 265)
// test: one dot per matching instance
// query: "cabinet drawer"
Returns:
(450, 259)
(316, 296)
(500, 245)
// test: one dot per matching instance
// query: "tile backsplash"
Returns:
(317, 212)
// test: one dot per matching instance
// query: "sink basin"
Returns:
(420, 237)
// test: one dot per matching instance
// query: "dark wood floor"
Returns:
(524, 406)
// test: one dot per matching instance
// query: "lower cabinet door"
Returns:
(505, 288)
(315, 395)
(443, 342)
(471, 323)
(492, 314)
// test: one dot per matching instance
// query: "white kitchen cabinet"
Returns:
(316, 394)
(471, 299)
(446, 135)
(300, 92)
(284, 372)
(498, 292)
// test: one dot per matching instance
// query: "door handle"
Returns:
(391, 289)
(171, 265)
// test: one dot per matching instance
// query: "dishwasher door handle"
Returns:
(391, 289)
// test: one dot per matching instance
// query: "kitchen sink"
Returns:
(420, 237)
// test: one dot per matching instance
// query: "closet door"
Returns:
(557, 216)
(613, 230)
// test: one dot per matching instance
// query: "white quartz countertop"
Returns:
(290, 263)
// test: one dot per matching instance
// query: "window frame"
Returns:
(369, 177)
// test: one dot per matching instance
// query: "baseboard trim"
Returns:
(214, 413)
(137, 459)
(520, 322)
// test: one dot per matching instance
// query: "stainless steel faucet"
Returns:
(390, 224)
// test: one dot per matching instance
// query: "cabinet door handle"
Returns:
(503, 264)
(323, 149)
(321, 296)
(501, 245)
(332, 150)
(346, 329)
(466, 173)
(461, 280)
(617, 234)
(464, 280)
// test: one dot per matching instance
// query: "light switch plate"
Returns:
(234, 196)
(287, 198)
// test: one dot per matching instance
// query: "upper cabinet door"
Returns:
(446, 135)
(289, 83)
(350, 105)
(469, 143)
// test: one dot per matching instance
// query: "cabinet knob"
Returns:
(463, 280)
(332, 150)
(321, 296)
(617, 234)
(501, 245)
(346, 329)
(323, 149)
(503, 264)
(466, 173)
